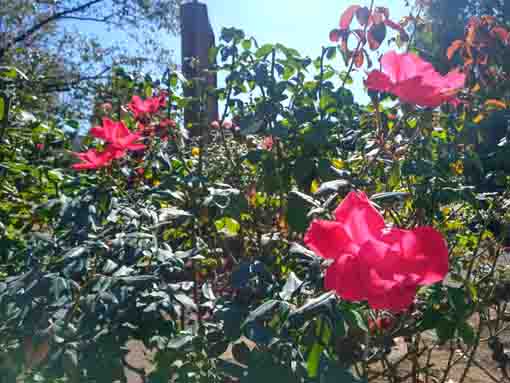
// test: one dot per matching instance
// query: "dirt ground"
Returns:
(483, 368)
(483, 365)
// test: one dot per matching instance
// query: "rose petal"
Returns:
(360, 220)
(343, 276)
(329, 240)
(377, 80)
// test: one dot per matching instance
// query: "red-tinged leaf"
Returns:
(454, 47)
(376, 18)
(482, 59)
(376, 35)
(406, 20)
(394, 25)
(358, 59)
(492, 103)
(471, 34)
(334, 35)
(502, 34)
(346, 18)
(383, 11)
(362, 15)
(488, 20)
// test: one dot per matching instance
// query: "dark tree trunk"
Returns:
(197, 40)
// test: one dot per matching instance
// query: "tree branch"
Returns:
(38, 26)
(65, 86)
(102, 20)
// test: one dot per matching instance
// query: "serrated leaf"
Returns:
(228, 226)
(264, 310)
(180, 342)
(264, 50)
(170, 213)
(332, 186)
(390, 196)
(291, 286)
(186, 301)
(306, 198)
(76, 252)
(321, 302)
(208, 291)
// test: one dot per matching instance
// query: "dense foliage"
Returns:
(218, 252)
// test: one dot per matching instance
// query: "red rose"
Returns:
(118, 136)
(375, 263)
(141, 108)
(92, 159)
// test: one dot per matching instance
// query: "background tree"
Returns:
(66, 47)
(446, 21)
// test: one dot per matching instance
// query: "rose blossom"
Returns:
(375, 263)
(415, 81)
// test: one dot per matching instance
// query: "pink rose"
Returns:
(415, 81)
(375, 263)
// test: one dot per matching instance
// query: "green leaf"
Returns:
(467, 333)
(326, 101)
(332, 186)
(305, 197)
(2, 108)
(264, 50)
(246, 44)
(323, 333)
(266, 310)
(297, 212)
(180, 342)
(228, 226)
(148, 91)
(354, 317)
(331, 53)
(390, 196)
(314, 357)
(55, 175)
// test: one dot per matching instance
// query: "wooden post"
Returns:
(197, 37)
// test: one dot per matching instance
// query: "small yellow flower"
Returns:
(446, 210)
(195, 152)
(314, 186)
(457, 167)
(478, 118)
(156, 183)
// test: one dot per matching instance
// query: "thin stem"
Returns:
(360, 45)
(321, 80)
(412, 37)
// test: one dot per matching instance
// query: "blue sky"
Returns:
(303, 25)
